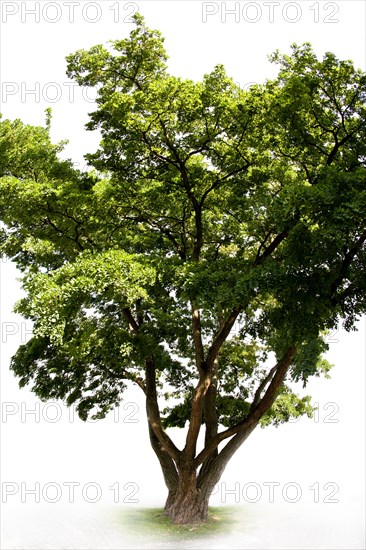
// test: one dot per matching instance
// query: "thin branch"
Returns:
(220, 180)
(133, 325)
(197, 339)
(221, 336)
(63, 233)
(274, 244)
(262, 385)
(137, 380)
(348, 258)
(262, 245)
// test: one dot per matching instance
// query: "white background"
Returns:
(50, 446)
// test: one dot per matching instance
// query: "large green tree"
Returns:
(206, 207)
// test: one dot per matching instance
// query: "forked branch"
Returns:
(256, 413)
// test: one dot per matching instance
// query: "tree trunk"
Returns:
(189, 493)
(187, 504)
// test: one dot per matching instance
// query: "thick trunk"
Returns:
(189, 494)
(188, 510)
(187, 504)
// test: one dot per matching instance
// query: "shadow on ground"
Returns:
(152, 523)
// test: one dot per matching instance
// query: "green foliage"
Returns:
(91, 282)
(199, 192)
(288, 405)
(178, 415)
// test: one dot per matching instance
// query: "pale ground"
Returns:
(258, 526)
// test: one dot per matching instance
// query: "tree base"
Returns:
(190, 509)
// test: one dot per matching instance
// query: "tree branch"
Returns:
(252, 419)
(160, 441)
(221, 336)
(348, 258)
(205, 381)
(274, 244)
(196, 206)
(201, 388)
(197, 339)
(211, 420)
(167, 464)
(262, 245)
(195, 421)
(153, 413)
(63, 233)
(133, 326)
(220, 180)
(262, 385)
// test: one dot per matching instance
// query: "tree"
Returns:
(206, 207)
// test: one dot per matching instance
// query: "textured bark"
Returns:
(221, 336)
(188, 504)
(210, 412)
(167, 464)
(211, 420)
(211, 475)
(250, 421)
(189, 493)
(195, 420)
(153, 413)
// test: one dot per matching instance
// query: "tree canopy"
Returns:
(206, 206)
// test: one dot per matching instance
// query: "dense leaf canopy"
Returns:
(204, 199)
